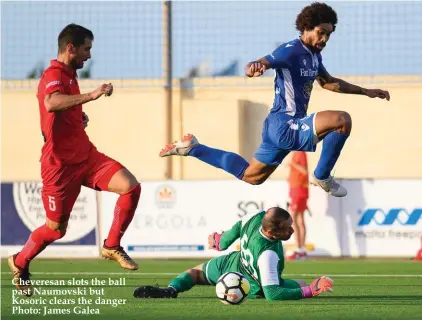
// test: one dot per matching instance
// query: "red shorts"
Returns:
(298, 199)
(62, 184)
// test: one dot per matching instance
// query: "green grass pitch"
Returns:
(362, 290)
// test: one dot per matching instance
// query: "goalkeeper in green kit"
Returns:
(260, 260)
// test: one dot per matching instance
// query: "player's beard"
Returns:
(318, 49)
(77, 65)
(282, 237)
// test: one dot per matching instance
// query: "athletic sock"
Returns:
(183, 282)
(228, 161)
(331, 148)
(39, 239)
(123, 215)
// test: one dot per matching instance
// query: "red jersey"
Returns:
(65, 139)
(298, 179)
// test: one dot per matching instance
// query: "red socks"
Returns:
(38, 240)
(123, 215)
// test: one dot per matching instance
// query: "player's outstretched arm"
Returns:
(330, 83)
(221, 241)
(270, 267)
(278, 292)
(276, 288)
(286, 290)
(57, 101)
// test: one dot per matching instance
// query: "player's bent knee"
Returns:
(196, 275)
(122, 182)
(344, 122)
(132, 181)
(257, 172)
(256, 181)
(134, 194)
(128, 186)
(57, 226)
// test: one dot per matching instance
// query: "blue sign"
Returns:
(399, 215)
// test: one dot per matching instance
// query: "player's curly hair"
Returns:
(315, 14)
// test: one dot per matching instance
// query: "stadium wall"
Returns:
(225, 113)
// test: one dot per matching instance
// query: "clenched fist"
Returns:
(104, 89)
(255, 69)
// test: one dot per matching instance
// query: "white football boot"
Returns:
(329, 185)
(180, 148)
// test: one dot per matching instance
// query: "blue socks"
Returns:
(331, 148)
(228, 161)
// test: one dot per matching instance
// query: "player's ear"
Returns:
(71, 48)
(270, 233)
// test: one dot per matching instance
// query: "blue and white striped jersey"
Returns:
(296, 68)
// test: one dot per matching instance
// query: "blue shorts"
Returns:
(282, 133)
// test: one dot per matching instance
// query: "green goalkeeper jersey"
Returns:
(261, 259)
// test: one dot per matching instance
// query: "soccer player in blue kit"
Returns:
(297, 64)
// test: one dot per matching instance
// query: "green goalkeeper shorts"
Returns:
(216, 267)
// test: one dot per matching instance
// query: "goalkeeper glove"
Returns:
(214, 241)
(317, 287)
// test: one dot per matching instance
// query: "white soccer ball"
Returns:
(232, 288)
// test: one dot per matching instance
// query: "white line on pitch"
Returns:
(173, 274)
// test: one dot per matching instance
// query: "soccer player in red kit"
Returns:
(298, 194)
(69, 160)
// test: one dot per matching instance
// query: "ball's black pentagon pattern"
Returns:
(243, 292)
(224, 284)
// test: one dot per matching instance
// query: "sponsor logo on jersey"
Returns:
(53, 83)
(308, 72)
